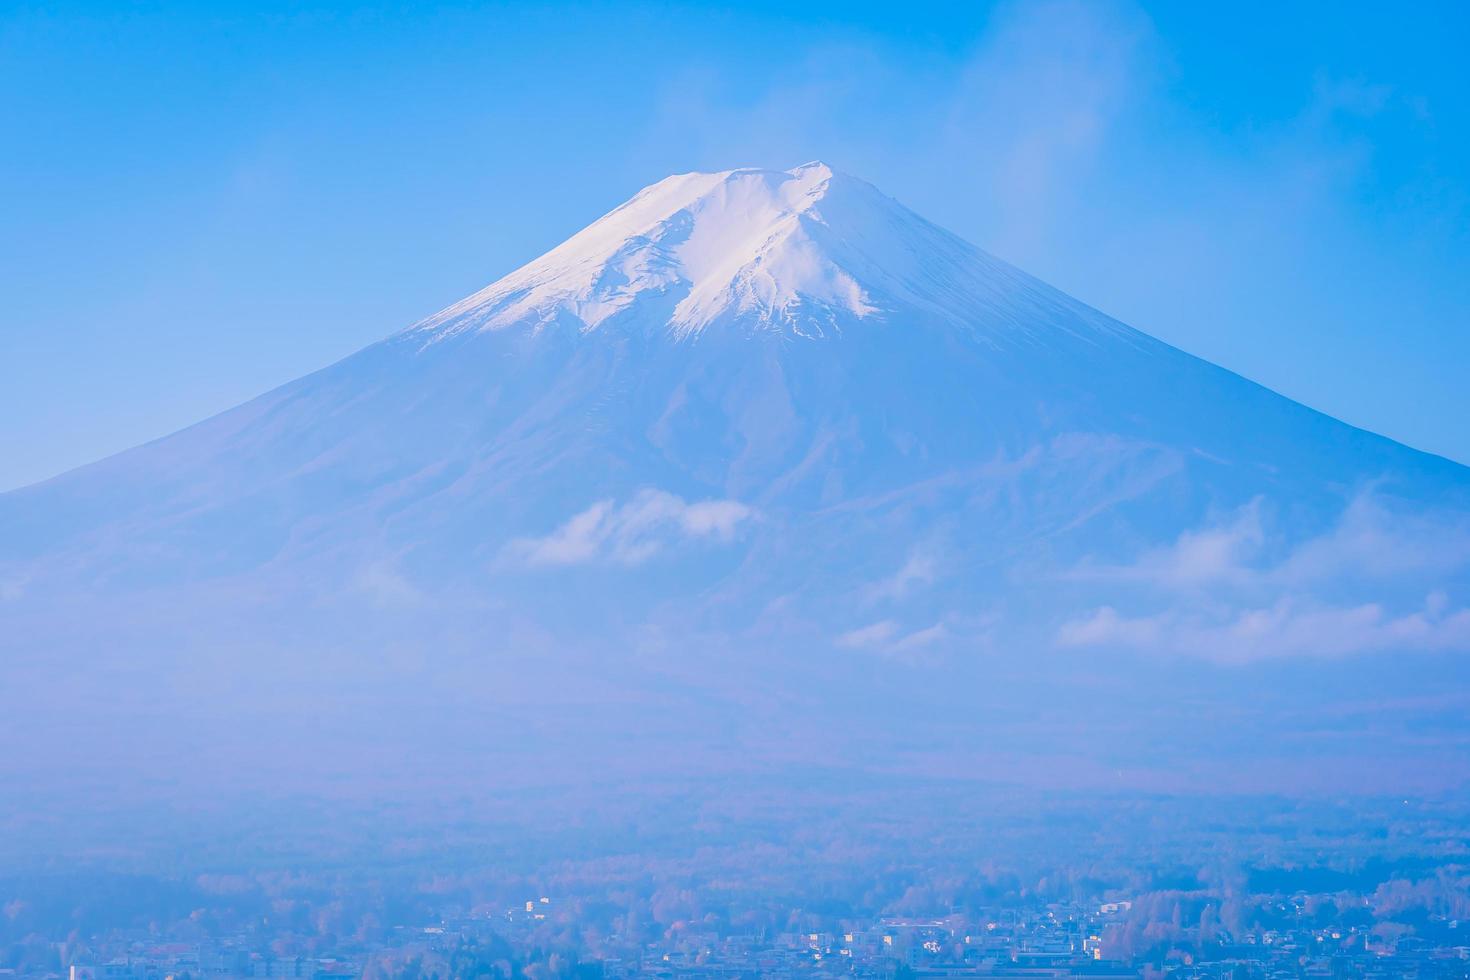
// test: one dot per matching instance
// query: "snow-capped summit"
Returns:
(807, 250)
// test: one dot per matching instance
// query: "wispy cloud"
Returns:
(381, 582)
(1370, 540)
(920, 639)
(1199, 557)
(1292, 627)
(633, 532)
(1233, 591)
(890, 638)
(869, 637)
(920, 569)
(1038, 102)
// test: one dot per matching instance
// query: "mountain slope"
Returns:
(746, 430)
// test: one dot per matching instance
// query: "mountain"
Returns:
(759, 467)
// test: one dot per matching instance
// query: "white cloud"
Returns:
(869, 637)
(1199, 557)
(888, 638)
(1236, 593)
(382, 582)
(632, 533)
(1104, 627)
(919, 570)
(1370, 540)
(919, 639)
(1291, 627)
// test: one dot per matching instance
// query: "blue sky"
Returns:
(198, 203)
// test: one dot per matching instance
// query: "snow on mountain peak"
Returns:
(807, 251)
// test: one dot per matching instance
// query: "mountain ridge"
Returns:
(763, 472)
